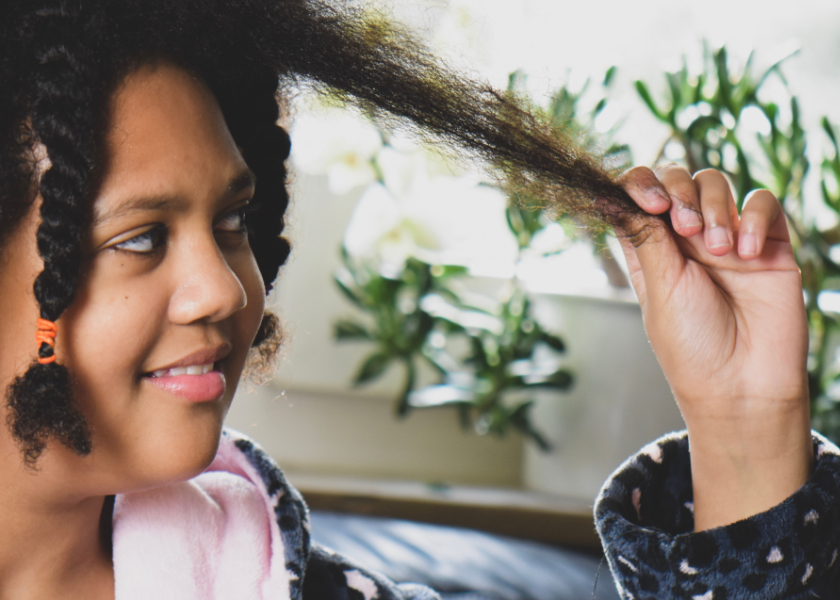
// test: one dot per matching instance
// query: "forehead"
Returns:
(167, 137)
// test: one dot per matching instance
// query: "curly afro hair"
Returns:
(61, 59)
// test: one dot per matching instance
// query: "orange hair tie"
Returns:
(47, 330)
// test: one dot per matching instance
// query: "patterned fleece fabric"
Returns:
(644, 515)
(317, 573)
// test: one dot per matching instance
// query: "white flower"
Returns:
(573, 271)
(399, 168)
(337, 143)
(379, 229)
(550, 239)
(439, 220)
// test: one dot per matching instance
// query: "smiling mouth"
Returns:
(178, 371)
(194, 383)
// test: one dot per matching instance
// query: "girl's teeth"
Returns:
(191, 370)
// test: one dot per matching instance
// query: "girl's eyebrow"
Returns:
(244, 180)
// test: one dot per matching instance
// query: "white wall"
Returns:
(337, 434)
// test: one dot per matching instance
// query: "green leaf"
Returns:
(373, 367)
(724, 84)
(829, 130)
(828, 198)
(602, 103)
(561, 380)
(675, 81)
(538, 438)
(516, 80)
(609, 76)
(642, 88)
(520, 418)
(776, 68)
(350, 330)
(446, 271)
(555, 342)
(345, 289)
(697, 96)
(403, 404)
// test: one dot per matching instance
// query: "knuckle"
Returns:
(754, 222)
(678, 183)
(715, 211)
(684, 194)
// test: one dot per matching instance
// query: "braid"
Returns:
(41, 400)
(15, 138)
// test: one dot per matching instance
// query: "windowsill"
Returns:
(517, 513)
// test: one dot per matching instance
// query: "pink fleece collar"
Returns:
(213, 537)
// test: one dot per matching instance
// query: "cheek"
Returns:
(108, 331)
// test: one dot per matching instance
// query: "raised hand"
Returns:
(722, 302)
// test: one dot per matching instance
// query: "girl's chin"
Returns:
(169, 455)
(179, 458)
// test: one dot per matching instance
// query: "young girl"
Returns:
(142, 193)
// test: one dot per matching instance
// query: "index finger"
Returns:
(642, 185)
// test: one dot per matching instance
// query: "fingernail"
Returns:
(748, 244)
(688, 218)
(718, 237)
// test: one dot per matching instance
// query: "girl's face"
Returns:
(171, 283)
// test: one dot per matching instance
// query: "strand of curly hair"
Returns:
(61, 59)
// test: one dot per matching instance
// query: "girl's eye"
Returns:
(233, 222)
(144, 243)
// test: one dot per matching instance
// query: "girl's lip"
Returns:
(213, 354)
(195, 388)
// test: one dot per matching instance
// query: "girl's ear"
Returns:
(265, 351)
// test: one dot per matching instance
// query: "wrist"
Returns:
(747, 466)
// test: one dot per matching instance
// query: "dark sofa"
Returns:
(464, 564)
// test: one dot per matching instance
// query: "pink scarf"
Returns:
(213, 537)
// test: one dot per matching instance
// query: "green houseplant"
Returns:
(487, 351)
(722, 115)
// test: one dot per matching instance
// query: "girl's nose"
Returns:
(206, 288)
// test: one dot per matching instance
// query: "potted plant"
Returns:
(493, 348)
